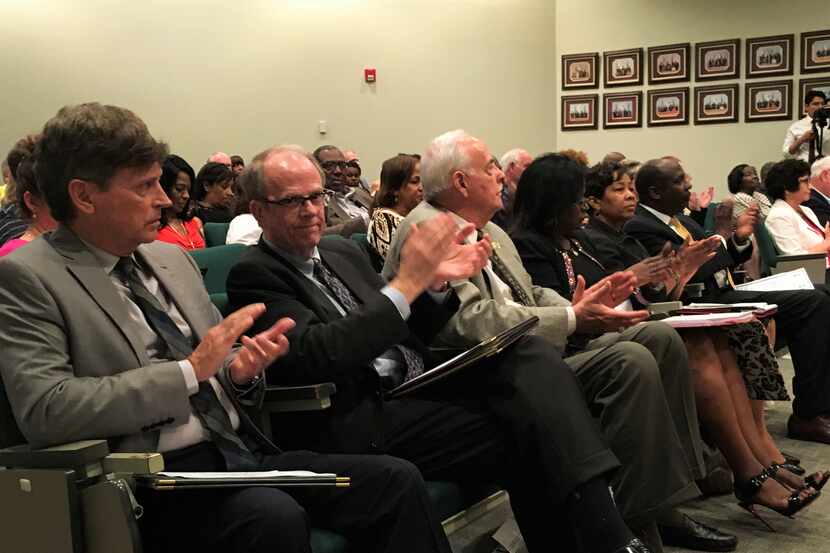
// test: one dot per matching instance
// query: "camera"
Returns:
(821, 116)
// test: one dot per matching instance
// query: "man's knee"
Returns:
(266, 520)
(634, 365)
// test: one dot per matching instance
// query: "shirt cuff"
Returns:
(398, 299)
(741, 247)
(189, 375)
(571, 320)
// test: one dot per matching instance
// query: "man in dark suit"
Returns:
(819, 200)
(347, 209)
(518, 418)
(107, 334)
(803, 317)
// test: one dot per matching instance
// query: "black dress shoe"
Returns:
(634, 546)
(816, 429)
(697, 536)
(790, 458)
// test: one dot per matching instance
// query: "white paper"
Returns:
(791, 280)
(244, 475)
(708, 319)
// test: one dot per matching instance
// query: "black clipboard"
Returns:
(487, 348)
(165, 482)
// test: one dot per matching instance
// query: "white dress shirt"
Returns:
(790, 231)
(244, 229)
(796, 130)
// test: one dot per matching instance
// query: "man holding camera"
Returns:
(800, 141)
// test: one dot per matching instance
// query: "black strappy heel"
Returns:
(748, 490)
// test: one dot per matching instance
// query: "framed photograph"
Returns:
(720, 59)
(622, 109)
(716, 104)
(820, 83)
(768, 56)
(580, 71)
(668, 107)
(768, 101)
(579, 113)
(623, 67)
(669, 64)
(815, 51)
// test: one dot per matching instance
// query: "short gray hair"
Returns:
(819, 166)
(511, 156)
(443, 156)
(252, 179)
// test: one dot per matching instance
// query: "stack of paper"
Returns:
(709, 319)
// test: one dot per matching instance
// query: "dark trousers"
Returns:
(803, 319)
(518, 419)
(386, 508)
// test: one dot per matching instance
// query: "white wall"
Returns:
(240, 76)
(709, 151)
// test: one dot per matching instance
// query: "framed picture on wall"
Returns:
(622, 109)
(716, 104)
(668, 107)
(820, 83)
(769, 56)
(579, 113)
(623, 67)
(580, 71)
(669, 64)
(768, 101)
(720, 59)
(815, 51)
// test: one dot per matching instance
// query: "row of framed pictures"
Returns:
(765, 101)
(769, 56)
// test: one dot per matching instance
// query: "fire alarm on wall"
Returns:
(370, 74)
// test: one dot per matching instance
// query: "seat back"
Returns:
(766, 246)
(709, 221)
(216, 263)
(374, 257)
(216, 233)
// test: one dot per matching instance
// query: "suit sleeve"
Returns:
(652, 242)
(540, 267)
(50, 403)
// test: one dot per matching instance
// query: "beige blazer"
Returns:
(480, 314)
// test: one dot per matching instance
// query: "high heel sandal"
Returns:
(748, 490)
(815, 480)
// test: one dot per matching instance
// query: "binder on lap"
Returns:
(274, 479)
(485, 349)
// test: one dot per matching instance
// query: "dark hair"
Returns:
(26, 182)
(783, 177)
(237, 160)
(601, 176)
(551, 184)
(808, 97)
(90, 142)
(354, 163)
(170, 170)
(323, 148)
(736, 177)
(650, 175)
(210, 174)
(22, 149)
(394, 174)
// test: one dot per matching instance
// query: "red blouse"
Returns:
(192, 241)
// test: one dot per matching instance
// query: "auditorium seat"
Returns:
(215, 234)
(813, 263)
(215, 263)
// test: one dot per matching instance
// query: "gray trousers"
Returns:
(637, 385)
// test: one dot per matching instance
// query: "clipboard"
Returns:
(482, 350)
(192, 481)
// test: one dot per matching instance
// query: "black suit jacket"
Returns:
(654, 233)
(328, 347)
(820, 206)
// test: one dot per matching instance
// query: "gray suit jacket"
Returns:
(72, 361)
(482, 314)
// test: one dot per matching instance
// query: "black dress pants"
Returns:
(386, 508)
(803, 319)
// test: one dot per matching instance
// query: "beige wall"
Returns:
(240, 76)
(709, 151)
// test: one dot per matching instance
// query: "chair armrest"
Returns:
(801, 256)
(814, 263)
(298, 398)
(71, 455)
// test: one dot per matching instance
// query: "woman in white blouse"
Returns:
(744, 185)
(794, 227)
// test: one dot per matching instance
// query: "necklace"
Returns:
(182, 231)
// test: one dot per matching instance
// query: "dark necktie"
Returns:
(205, 403)
(501, 270)
(413, 360)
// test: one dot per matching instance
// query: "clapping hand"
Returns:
(653, 269)
(745, 224)
(594, 307)
(723, 219)
(463, 260)
(694, 253)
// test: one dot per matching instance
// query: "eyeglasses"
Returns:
(316, 198)
(333, 164)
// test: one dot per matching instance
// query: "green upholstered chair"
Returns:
(215, 264)
(709, 222)
(813, 263)
(215, 234)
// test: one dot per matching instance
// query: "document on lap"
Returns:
(709, 319)
(791, 280)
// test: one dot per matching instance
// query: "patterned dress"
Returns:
(382, 229)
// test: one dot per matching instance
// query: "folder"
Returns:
(487, 348)
(709, 320)
(276, 479)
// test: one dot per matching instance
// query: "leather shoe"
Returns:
(694, 535)
(791, 458)
(634, 546)
(816, 429)
(718, 481)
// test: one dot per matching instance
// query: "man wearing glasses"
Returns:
(347, 212)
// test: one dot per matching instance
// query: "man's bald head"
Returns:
(611, 157)
(220, 157)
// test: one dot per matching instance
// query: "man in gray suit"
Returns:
(636, 380)
(107, 334)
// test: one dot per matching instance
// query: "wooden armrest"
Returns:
(315, 397)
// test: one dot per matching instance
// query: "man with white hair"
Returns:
(513, 164)
(636, 381)
(819, 200)
(220, 157)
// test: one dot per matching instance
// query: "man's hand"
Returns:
(594, 307)
(745, 224)
(806, 137)
(257, 353)
(723, 219)
(653, 269)
(427, 245)
(706, 197)
(694, 253)
(463, 260)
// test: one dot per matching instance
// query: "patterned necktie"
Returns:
(205, 403)
(413, 360)
(501, 271)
